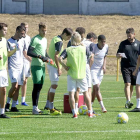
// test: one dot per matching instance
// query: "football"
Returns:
(122, 118)
(83, 110)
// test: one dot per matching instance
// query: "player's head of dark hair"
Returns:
(2, 25)
(91, 35)
(80, 30)
(42, 25)
(20, 29)
(23, 24)
(130, 31)
(67, 31)
(101, 38)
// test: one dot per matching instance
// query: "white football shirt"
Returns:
(15, 62)
(99, 55)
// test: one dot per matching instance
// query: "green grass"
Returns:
(24, 125)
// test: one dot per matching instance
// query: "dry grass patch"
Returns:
(112, 26)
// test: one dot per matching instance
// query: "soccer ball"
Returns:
(122, 118)
(83, 110)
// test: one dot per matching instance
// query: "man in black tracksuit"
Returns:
(128, 52)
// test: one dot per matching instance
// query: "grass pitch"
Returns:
(24, 125)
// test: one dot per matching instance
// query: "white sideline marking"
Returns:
(67, 132)
(45, 101)
(103, 98)
(118, 97)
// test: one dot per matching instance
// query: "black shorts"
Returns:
(127, 75)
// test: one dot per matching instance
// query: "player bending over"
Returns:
(55, 49)
(76, 68)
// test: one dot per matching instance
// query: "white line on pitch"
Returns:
(65, 132)
(118, 97)
(45, 101)
(103, 98)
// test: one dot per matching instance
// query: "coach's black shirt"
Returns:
(131, 51)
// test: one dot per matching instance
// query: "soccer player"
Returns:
(55, 49)
(37, 50)
(4, 54)
(82, 32)
(89, 42)
(98, 68)
(76, 68)
(128, 52)
(15, 68)
(26, 65)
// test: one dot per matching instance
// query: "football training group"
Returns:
(85, 65)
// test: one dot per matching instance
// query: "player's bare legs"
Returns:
(72, 102)
(128, 89)
(89, 92)
(12, 90)
(76, 96)
(96, 93)
(13, 93)
(87, 99)
(53, 110)
(47, 103)
(2, 98)
(23, 90)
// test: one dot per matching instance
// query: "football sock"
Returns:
(138, 102)
(2, 111)
(23, 99)
(34, 107)
(101, 104)
(51, 105)
(47, 104)
(35, 93)
(90, 111)
(76, 107)
(8, 100)
(91, 106)
(14, 103)
(127, 101)
(73, 111)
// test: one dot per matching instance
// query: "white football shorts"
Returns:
(88, 75)
(73, 84)
(96, 76)
(16, 76)
(26, 70)
(53, 73)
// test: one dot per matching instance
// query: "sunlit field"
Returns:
(24, 125)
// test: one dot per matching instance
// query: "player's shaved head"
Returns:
(23, 24)
(101, 38)
(20, 28)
